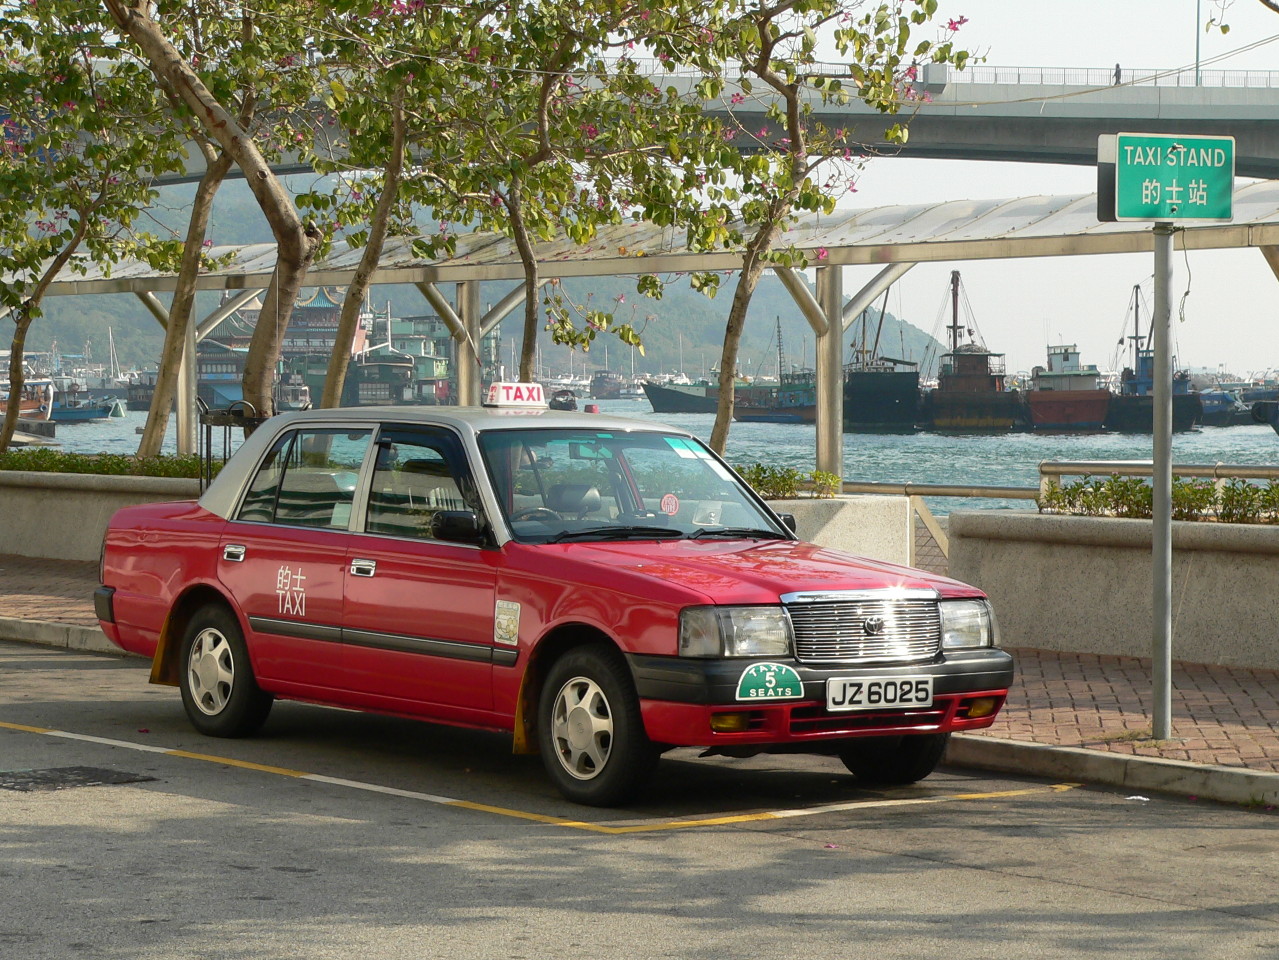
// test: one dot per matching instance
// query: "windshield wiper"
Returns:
(617, 533)
(736, 533)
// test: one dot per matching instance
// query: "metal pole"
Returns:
(1161, 479)
(830, 372)
(469, 354)
(1198, 30)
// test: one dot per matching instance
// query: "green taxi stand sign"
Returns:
(1164, 177)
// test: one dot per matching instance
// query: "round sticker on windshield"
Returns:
(670, 504)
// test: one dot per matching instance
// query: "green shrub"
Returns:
(1239, 502)
(825, 484)
(1193, 499)
(48, 460)
(772, 483)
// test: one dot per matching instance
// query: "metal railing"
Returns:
(1105, 77)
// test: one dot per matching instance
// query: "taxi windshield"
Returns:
(577, 485)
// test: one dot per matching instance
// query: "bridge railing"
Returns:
(1105, 76)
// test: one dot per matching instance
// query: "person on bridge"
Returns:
(1117, 74)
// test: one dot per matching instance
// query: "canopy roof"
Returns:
(1042, 226)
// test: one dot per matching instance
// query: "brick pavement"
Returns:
(1222, 716)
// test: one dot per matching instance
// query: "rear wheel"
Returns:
(219, 692)
(590, 730)
(894, 760)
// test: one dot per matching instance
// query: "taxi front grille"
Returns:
(865, 629)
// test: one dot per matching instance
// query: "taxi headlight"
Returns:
(968, 623)
(734, 632)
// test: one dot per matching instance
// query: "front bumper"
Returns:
(680, 696)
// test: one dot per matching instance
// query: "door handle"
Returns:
(233, 552)
(363, 568)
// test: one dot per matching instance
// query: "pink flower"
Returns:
(737, 98)
(955, 24)
(590, 130)
(822, 253)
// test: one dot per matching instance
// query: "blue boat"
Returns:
(72, 409)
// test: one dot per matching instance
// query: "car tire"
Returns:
(590, 730)
(894, 760)
(219, 692)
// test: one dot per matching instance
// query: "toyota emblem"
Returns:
(873, 626)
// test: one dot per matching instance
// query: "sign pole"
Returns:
(1161, 478)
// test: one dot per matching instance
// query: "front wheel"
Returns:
(219, 692)
(590, 730)
(894, 760)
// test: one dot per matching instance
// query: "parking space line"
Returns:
(604, 828)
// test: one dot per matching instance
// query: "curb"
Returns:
(1180, 777)
(67, 636)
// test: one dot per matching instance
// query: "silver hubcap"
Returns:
(582, 728)
(211, 672)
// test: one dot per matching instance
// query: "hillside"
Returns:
(684, 327)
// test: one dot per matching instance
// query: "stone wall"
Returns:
(880, 527)
(62, 516)
(1085, 584)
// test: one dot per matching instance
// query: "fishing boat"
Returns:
(1066, 395)
(1132, 409)
(34, 400)
(971, 394)
(793, 400)
(700, 397)
(71, 408)
(1223, 408)
(881, 394)
(607, 385)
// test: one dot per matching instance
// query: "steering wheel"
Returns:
(535, 513)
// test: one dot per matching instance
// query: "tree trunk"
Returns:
(752, 269)
(295, 241)
(528, 346)
(22, 323)
(182, 308)
(335, 377)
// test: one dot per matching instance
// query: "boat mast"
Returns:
(883, 307)
(954, 327)
(781, 357)
(1136, 337)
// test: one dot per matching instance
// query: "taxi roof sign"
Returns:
(504, 393)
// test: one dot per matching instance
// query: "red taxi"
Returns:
(602, 588)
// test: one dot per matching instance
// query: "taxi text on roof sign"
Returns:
(507, 394)
(1165, 177)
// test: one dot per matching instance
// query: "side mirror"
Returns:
(457, 526)
(788, 521)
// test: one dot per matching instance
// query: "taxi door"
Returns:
(418, 622)
(284, 557)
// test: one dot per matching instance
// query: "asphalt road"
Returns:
(335, 834)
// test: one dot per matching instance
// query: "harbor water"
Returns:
(1004, 460)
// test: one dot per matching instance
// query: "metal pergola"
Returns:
(896, 237)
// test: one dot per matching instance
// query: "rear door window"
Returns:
(308, 479)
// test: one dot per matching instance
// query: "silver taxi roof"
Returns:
(223, 493)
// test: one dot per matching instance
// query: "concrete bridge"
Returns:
(1055, 114)
(1026, 114)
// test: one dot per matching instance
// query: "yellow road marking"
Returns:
(643, 827)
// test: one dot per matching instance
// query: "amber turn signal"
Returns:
(982, 707)
(729, 722)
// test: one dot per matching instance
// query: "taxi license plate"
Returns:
(878, 693)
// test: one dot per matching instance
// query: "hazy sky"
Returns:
(1232, 311)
